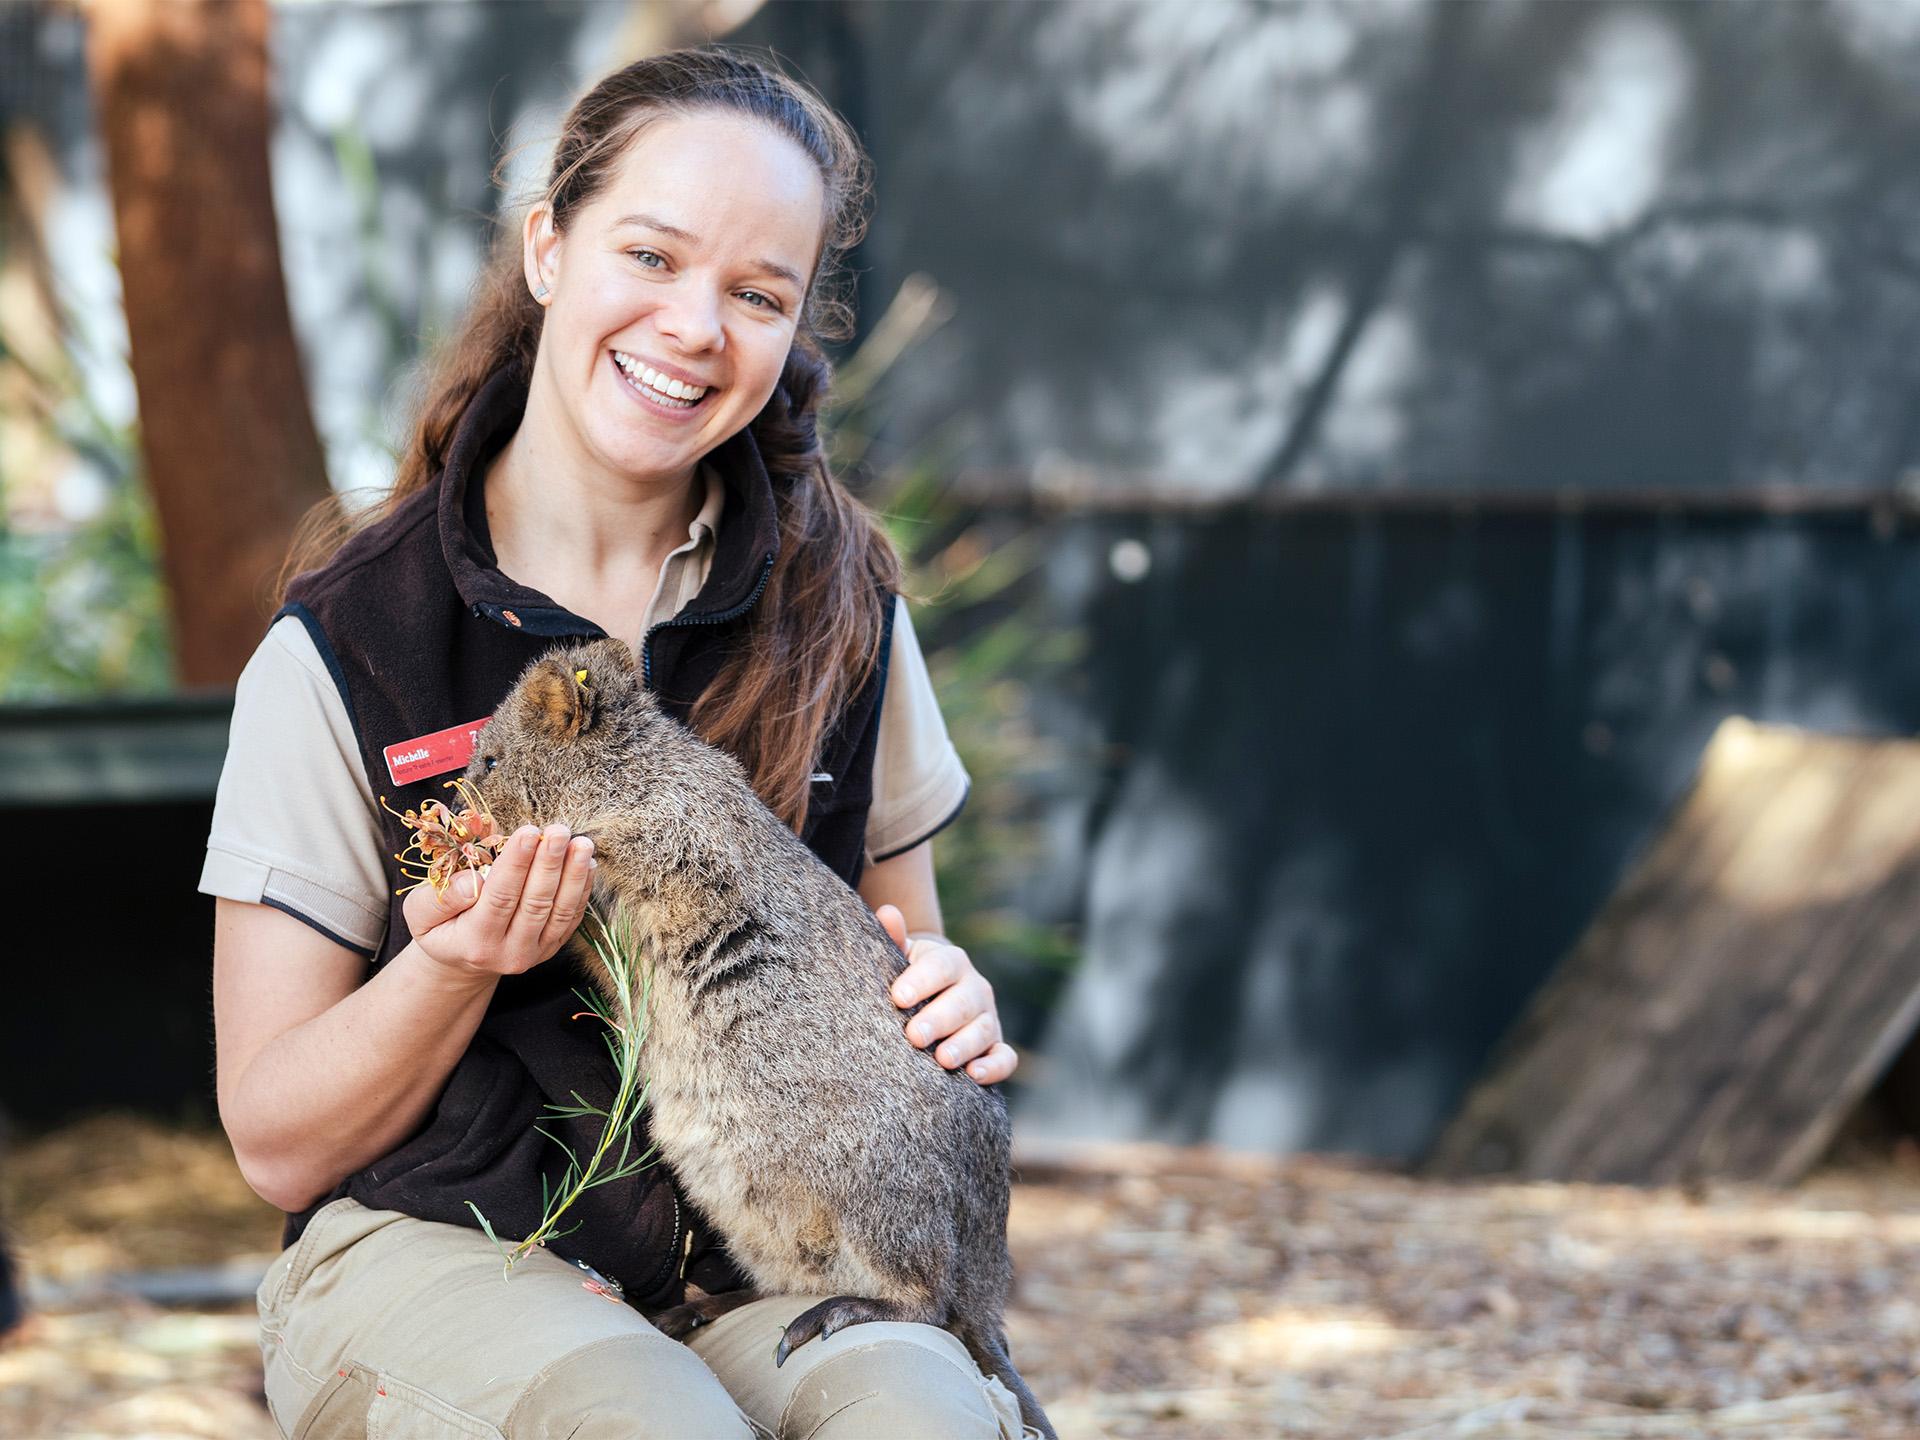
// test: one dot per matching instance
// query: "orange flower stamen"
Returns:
(442, 842)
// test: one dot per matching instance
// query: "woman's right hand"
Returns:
(533, 897)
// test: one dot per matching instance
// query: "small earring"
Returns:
(540, 291)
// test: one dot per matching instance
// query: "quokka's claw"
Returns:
(831, 1316)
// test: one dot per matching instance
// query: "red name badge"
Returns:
(434, 754)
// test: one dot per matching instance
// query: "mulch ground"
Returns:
(1164, 1293)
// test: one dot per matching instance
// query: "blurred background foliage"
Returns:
(83, 609)
(970, 585)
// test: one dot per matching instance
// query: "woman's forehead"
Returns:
(720, 183)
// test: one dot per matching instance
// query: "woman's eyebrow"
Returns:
(654, 222)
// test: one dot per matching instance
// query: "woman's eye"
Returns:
(767, 301)
(647, 256)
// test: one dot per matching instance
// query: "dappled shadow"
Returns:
(1369, 246)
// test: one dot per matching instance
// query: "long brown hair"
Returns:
(814, 638)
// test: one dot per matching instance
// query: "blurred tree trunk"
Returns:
(232, 454)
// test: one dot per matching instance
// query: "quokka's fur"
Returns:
(834, 1157)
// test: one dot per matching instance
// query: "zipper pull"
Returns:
(601, 1284)
(686, 1245)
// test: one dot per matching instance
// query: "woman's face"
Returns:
(687, 271)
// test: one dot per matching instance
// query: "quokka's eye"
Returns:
(492, 760)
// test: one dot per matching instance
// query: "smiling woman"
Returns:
(666, 333)
(621, 440)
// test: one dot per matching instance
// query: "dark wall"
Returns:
(110, 970)
(1357, 782)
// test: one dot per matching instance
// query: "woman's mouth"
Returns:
(661, 391)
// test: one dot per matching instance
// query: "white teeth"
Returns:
(664, 388)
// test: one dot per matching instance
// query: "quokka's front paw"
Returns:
(703, 1309)
(679, 1322)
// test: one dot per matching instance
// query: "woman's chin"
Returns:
(649, 462)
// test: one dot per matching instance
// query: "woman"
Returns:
(620, 441)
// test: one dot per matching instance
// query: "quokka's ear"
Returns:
(563, 701)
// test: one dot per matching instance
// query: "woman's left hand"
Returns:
(960, 1016)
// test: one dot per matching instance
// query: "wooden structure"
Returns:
(1752, 977)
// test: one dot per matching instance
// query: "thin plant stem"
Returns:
(615, 948)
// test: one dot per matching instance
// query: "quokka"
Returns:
(833, 1157)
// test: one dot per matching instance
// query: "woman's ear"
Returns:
(540, 251)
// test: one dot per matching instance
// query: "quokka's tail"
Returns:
(990, 1354)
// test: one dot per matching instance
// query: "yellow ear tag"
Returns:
(581, 676)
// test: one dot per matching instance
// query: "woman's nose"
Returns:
(693, 320)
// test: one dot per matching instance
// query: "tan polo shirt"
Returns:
(291, 752)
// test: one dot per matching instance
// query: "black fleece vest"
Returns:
(423, 633)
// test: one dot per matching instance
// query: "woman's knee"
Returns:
(903, 1385)
(627, 1387)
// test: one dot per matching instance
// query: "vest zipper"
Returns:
(719, 617)
(676, 1252)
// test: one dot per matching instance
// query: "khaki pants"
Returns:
(380, 1325)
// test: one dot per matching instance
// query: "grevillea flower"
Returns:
(443, 841)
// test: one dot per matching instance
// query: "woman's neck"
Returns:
(559, 524)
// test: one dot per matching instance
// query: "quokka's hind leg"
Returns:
(831, 1316)
(682, 1320)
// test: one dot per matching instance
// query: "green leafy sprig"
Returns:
(613, 1157)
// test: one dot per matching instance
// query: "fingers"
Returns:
(970, 1041)
(952, 1011)
(426, 907)
(537, 899)
(960, 1019)
(894, 923)
(534, 896)
(507, 881)
(930, 969)
(996, 1065)
(570, 902)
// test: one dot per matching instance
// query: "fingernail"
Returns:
(949, 1057)
(919, 1034)
(903, 995)
(466, 886)
(592, 864)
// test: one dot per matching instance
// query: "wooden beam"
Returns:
(1751, 978)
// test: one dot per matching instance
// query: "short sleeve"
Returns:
(294, 821)
(919, 782)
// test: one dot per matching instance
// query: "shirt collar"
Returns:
(707, 522)
(744, 545)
